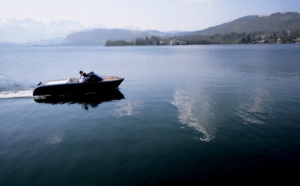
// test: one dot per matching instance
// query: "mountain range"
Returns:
(73, 33)
(269, 23)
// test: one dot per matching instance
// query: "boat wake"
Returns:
(7, 94)
(10, 88)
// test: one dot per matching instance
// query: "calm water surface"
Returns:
(184, 114)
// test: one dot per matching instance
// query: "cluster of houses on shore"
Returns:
(173, 41)
(297, 40)
(176, 41)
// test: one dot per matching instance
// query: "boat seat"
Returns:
(73, 80)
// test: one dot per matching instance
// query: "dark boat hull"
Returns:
(92, 99)
(76, 88)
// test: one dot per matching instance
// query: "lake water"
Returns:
(183, 115)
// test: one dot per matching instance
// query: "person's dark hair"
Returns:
(80, 72)
(84, 74)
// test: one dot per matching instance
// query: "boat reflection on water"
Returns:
(86, 100)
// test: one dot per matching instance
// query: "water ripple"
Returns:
(195, 112)
(55, 139)
(128, 108)
(258, 109)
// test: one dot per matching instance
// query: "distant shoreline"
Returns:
(280, 37)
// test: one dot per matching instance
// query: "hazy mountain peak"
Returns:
(28, 30)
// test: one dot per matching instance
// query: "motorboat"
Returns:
(71, 86)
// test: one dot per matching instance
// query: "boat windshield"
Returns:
(91, 77)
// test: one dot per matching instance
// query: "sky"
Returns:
(162, 15)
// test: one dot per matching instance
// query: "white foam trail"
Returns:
(16, 94)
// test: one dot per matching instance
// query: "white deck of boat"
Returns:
(76, 80)
(55, 82)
